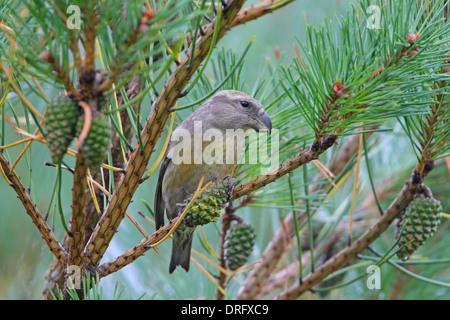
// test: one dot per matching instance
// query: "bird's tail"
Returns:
(181, 248)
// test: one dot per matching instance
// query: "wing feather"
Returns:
(159, 206)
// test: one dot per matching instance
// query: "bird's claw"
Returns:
(232, 182)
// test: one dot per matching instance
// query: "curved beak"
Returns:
(265, 120)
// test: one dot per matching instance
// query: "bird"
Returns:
(226, 110)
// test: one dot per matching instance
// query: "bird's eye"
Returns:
(244, 103)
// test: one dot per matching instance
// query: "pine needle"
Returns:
(209, 275)
(166, 143)
(207, 245)
(355, 186)
(20, 94)
(215, 265)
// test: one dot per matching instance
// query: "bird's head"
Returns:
(230, 109)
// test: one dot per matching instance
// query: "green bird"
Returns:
(203, 145)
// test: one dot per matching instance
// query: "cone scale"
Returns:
(96, 143)
(60, 126)
(419, 222)
(209, 205)
(238, 245)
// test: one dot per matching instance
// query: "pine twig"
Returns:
(275, 249)
(410, 188)
(47, 233)
(153, 240)
(136, 251)
(143, 25)
(61, 73)
(89, 60)
(54, 278)
(78, 220)
(307, 155)
(258, 10)
(137, 164)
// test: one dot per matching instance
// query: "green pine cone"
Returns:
(60, 125)
(97, 142)
(209, 205)
(420, 220)
(239, 244)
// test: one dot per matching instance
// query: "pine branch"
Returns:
(399, 60)
(78, 220)
(410, 188)
(131, 89)
(434, 126)
(307, 155)
(275, 249)
(54, 277)
(153, 240)
(327, 248)
(137, 164)
(258, 10)
(136, 251)
(47, 233)
(87, 77)
(118, 68)
(61, 73)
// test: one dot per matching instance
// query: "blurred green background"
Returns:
(24, 257)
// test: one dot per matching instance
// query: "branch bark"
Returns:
(78, 220)
(115, 211)
(136, 251)
(310, 153)
(258, 10)
(410, 188)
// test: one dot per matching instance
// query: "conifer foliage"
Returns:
(101, 84)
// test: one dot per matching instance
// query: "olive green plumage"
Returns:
(209, 205)
(419, 222)
(97, 141)
(179, 176)
(60, 125)
(239, 244)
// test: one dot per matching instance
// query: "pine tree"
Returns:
(368, 86)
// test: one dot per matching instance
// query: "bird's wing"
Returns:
(159, 206)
